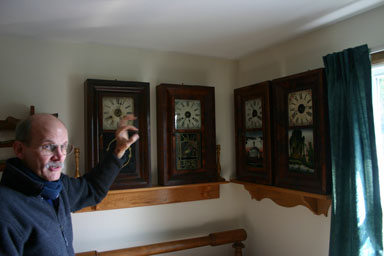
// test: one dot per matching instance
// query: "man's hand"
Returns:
(123, 142)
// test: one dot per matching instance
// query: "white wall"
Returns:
(50, 76)
(275, 230)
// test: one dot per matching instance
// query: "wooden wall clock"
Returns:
(105, 103)
(186, 134)
(253, 133)
(302, 153)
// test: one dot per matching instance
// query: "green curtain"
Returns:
(356, 224)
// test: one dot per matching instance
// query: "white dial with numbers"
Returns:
(187, 114)
(300, 108)
(253, 113)
(114, 108)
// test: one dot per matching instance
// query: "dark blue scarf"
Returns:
(50, 189)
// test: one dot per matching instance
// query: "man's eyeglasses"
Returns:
(51, 149)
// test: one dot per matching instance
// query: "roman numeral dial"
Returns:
(253, 113)
(300, 110)
(115, 108)
(187, 114)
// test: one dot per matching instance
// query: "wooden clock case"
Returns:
(167, 132)
(254, 167)
(309, 136)
(137, 172)
(318, 178)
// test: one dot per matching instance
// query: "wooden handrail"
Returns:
(233, 236)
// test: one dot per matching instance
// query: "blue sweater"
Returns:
(29, 225)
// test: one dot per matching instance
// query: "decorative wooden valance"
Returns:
(316, 203)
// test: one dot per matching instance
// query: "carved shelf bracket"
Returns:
(316, 203)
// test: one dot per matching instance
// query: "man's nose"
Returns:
(58, 152)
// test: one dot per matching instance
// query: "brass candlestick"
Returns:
(77, 161)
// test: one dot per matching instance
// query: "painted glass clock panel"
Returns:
(188, 151)
(113, 109)
(301, 150)
(254, 149)
(254, 113)
(300, 109)
(187, 114)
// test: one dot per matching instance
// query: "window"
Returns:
(378, 111)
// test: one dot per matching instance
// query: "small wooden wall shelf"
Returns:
(126, 198)
(318, 204)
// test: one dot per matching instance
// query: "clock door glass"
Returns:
(253, 113)
(300, 108)
(254, 148)
(109, 143)
(187, 114)
(114, 108)
(188, 151)
(301, 150)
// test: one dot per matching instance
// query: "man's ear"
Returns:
(18, 148)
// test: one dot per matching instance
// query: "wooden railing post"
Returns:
(238, 248)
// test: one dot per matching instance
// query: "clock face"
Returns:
(114, 108)
(253, 113)
(300, 108)
(187, 114)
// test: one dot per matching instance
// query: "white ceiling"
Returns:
(221, 28)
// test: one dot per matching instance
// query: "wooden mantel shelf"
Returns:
(318, 204)
(117, 199)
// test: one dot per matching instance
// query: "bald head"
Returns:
(37, 121)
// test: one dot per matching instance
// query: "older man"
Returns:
(36, 199)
